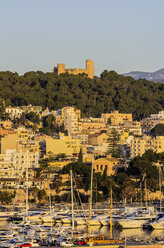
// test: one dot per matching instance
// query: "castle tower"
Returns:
(61, 68)
(90, 68)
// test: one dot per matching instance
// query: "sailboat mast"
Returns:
(160, 189)
(72, 201)
(146, 195)
(141, 192)
(50, 205)
(111, 205)
(26, 185)
(89, 218)
(90, 198)
(91, 186)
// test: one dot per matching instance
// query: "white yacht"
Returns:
(80, 221)
(136, 221)
(34, 216)
(158, 224)
(97, 221)
(105, 222)
(66, 220)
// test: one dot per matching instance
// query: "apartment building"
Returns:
(139, 145)
(71, 117)
(152, 121)
(13, 165)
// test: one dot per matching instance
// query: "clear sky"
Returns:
(120, 35)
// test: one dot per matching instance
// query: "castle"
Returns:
(89, 69)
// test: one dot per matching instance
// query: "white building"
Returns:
(13, 112)
(71, 117)
(14, 164)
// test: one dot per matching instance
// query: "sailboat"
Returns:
(100, 239)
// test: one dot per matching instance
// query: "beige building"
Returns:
(89, 69)
(9, 142)
(16, 143)
(93, 126)
(152, 121)
(139, 145)
(13, 112)
(14, 164)
(71, 117)
(29, 108)
(116, 118)
(133, 127)
(111, 163)
(16, 112)
(82, 136)
(65, 144)
(99, 150)
(97, 139)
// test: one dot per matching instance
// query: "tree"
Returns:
(94, 96)
(42, 196)
(6, 197)
(32, 116)
(158, 130)
(113, 140)
(109, 121)
(144, 168)
(80, 156)
(34, 193)
(57, 183)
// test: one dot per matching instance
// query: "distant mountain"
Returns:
(157, 76)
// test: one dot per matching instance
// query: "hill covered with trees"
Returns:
(106, 93)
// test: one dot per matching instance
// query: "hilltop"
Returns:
(106, 93)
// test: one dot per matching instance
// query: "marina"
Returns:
(57, 230)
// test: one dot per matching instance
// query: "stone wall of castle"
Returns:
(89, 69)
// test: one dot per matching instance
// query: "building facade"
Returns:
(65, 144)
(115, 118)
(108, 162)
(139, 145)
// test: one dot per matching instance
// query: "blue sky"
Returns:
(120, 35)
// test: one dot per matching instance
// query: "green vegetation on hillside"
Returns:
(93, 96)
(126, 182)
(158, 130)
